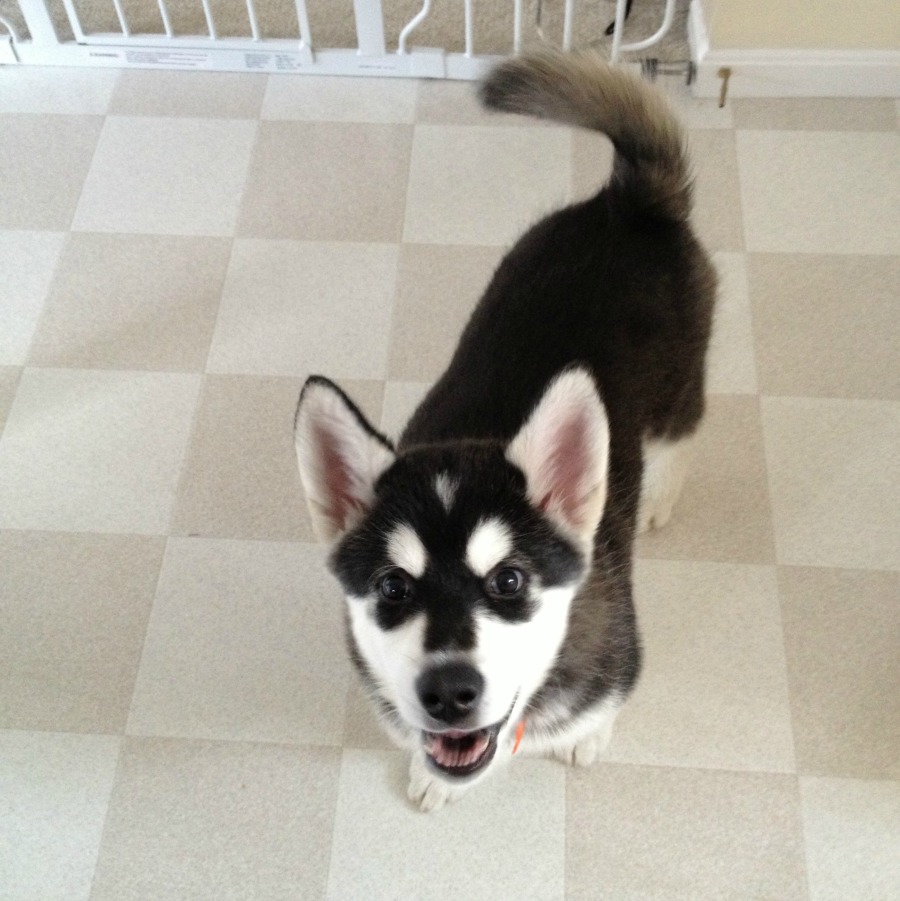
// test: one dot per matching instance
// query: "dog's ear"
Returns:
(340, 456)
(563, 450)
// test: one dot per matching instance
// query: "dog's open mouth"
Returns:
(458, 753)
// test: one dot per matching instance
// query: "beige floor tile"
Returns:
(484, 185)
(44, 161)
(400, 402)
(28, 260)
(40, 89)
(842, 632)
(852, 833)
(437, 289)
(834, 476)
(9, 381)
(820, 192)
(156, 175)
(506, 837)
(241, 419)
(717, 207)
(75, 610)
(814, 113)
(695, 112)
(90, 451)
(208, 821)
(723, 513)
(682, 835)
(315, 98)
(327, 181)
(731, 366)
(55, 791)
(132, 302)
(202, 95)
(826, 326)
(245, 643)
(297, 308)
(713, 691)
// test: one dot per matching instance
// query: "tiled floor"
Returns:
(177, 718)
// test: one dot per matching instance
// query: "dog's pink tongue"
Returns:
(449, 749)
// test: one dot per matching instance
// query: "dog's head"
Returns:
(459, 561)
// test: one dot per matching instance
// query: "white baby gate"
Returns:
(127, 46)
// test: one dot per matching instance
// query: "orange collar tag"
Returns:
(520, 731)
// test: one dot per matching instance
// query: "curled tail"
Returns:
(651, 166)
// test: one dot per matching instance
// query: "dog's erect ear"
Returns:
(340, 456)
(563, 449)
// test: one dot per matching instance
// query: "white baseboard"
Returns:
(790, 73)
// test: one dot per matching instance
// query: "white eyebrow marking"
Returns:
(445, 487)
(406, 550)
(489, 544)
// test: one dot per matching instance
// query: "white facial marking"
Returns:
(406, 550)
(445, 487)
(489, 544)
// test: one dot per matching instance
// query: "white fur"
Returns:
(327, 427)
(665, 468)
(489, 544)
(581, 741)
(563, 449)
(406, 550)
(445, 486)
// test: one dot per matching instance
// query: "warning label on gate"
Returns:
(273, 62)
(188, 59)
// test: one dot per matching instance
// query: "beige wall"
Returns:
(803, 24)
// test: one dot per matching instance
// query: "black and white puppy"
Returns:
(486, 559)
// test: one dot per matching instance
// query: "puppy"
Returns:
(486, 558)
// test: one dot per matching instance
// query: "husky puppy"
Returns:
(486, 559)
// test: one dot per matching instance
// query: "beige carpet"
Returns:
(332, 22)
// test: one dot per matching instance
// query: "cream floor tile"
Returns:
(39, 89)
(814, 113)
(293, 308)
(209, 820)
(713, 691)
(245, 643)
(484, 185)
(400, 402)
(175, 176)
(723, 513)
(834, 476)
(695, 112)
(132, 302)
(9, 381)
(202, 95)
(507, 836)
(361, 728)
(717, 206)
(826, 326)
(820, 192)
(44, 161)
(327, 181)
(841, 633)
(331, 99)
(75, 610)
(852, 831)
(55, 790)
(437, 289)
(672, 834)
(28, 261)
(90, 451)
(456, 103)
(731, 365)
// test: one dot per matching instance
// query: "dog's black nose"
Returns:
(449, 692)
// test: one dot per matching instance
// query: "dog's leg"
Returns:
(665, 467)
(427, 791)
(585, 750)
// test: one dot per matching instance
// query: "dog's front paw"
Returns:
(584, 752)
(427, 791)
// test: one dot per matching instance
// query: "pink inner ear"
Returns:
(338, 481)
(568, 464)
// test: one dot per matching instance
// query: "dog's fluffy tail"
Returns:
(651, 166)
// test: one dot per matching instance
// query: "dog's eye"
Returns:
(395, 586)
(506, 582)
